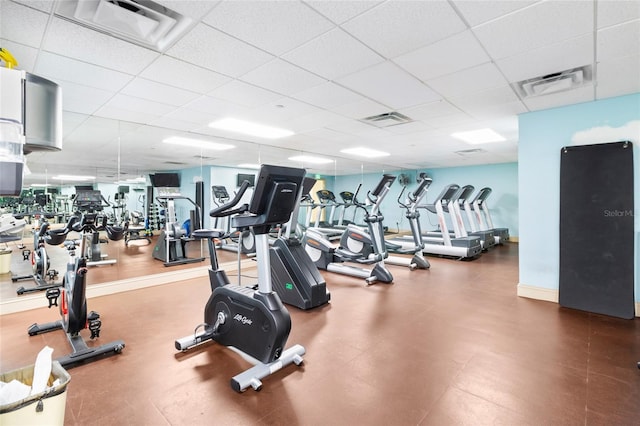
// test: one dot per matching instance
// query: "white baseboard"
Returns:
(549, 294)
(37, 300)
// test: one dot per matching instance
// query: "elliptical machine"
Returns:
(73, 306)
(332, 259)
(254, 323)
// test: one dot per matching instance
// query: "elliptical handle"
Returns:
(217, 212)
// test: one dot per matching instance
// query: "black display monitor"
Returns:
(245, 176)
(385, 179)
(269, 175)
(123, 189)
(83, 188)
(165, 180)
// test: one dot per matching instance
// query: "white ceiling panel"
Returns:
(388, 84)
(56, 68)
(172, 123)
(43, 5)
(618, 76)
(476, 79)
(243, 93)
(195, 9)
(190, 115)
(83, 99)
(313, 121)
(435, 60)
(614, 12)
(212, 49)
(408, 128)
(619, 40)
(176, 73)
(361, 109)
(546, 23)
(153, 91)
(282, 77)
(341, 11)
(549, 59)
(423, 22)
(458, 119)
(333, 55)
(274, 26)
(31, 27)
(327, 95)
(116, 113)
(25, 55)
(75, 41)
(582, 94)
(216, 107)
(430, 110)
(280, 111)
(476, 12)
(132, 103)
(71, 121)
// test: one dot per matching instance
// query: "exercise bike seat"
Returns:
(56, 237)
(116, 233)
(207, 233)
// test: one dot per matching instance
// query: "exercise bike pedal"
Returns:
(94, 324)
(52, 295)
(52, 274)
(26, 254)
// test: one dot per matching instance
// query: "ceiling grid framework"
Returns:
(319, 67)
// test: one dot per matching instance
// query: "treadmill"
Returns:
(481, 210)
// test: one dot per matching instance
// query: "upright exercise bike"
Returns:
(255, 323)
(73, 306)
(43, 275)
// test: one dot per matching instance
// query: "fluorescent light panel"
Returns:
(479, 136)
(310, 159)
(249, 128)
(197, 143)
(249, 166)
(73, 177)
(365, 152)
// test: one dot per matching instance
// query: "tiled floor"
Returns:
(450, 345)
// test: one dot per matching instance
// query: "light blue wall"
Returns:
(502, 178)
(542, 135)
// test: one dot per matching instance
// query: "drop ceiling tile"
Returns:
(25, 55)
(274, 26)
(408, 128)
(313, 121)
(330, 135)
(619, 76)
(333, 55)
(327, 95)
(438, 59)
(619, 40)
(361, 109)
(43, 5)
(184, 75)
(496, 110)
(545, 23)
(56, 67)
(216, 107)
(616, 12)
(422, 23)
(75, 41)
(458, 120)
(194, 9)
(582, 94)
(83, 99)
(282, 77)
(243, 93)
(152, 91)
(281, 111)
(172, 123)
(476, 79)
(190, 115)
(22, 24)
(212, 49)
(71, 121)
(549, 59)
(476, 12)
(341, 11)
(430, 110)
(122, 114)
(388, 84)
(134, 104)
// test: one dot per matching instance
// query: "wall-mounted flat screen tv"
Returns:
(244, 176)
(165, 180)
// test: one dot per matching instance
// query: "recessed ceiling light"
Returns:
(365, 152)
(249, 166)
(310, 159)
(479, 136)
(249, 128)
(198, 143)
(73, 177)
(40, 185)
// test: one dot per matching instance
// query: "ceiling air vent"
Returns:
(554, 83)
(142, 22)
(470, 152)
(387, 119)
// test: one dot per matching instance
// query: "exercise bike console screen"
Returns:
(385, 179)
(89, 200)
(219, 192)
(268, 180)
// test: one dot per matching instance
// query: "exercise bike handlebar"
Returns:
(226, 209)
